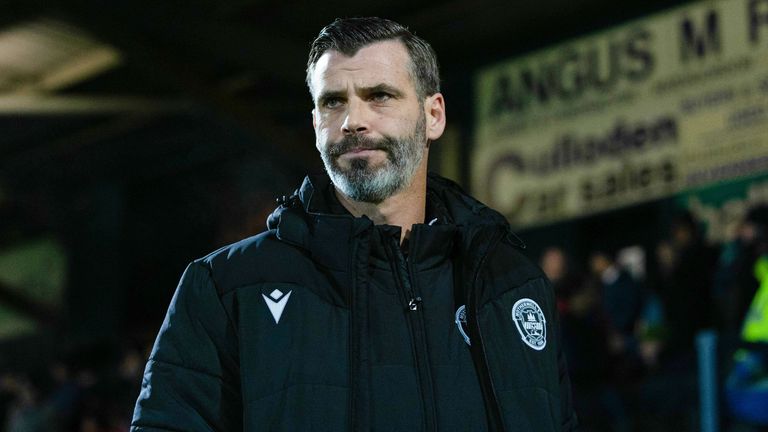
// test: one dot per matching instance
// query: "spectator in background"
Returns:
(84, 388)
(683, 285)
(65, 395)
(577, 302)
(553, 263)
(652, 328)
(755, 328)
(747, 384)
(621, 302)
(26, 411)
(734, 282)
(686, 294)
(620, 307)
(583, 336)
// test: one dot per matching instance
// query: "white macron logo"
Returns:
(276, 302)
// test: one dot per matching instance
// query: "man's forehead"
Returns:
(385, 60)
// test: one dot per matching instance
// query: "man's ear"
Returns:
(434, 108)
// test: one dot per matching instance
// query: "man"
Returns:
(745, 388)
(621, 299)
(620, 306)
(381, 298)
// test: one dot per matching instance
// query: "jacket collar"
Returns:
(306, 219)
(313, 219)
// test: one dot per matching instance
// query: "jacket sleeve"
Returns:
(191, 381)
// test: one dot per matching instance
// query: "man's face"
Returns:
(599, 263)
(370, 125)
(553, 264)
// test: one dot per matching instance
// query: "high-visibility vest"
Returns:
(756, 323)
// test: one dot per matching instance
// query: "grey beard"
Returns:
(365, 183)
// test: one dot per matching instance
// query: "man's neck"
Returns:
(403, 209)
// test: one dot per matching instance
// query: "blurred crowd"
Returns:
(89, 388)
(630, 318)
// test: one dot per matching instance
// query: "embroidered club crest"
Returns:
(530, 323)
(461, 323)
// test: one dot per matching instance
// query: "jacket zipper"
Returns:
(358, 367)
(415, 316)
(493, 410)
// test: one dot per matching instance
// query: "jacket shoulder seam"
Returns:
(516, 287)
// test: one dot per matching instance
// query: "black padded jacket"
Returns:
(270, 333)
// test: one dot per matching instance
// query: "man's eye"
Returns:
(332, 103)
(380, 97)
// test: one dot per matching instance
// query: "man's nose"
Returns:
(356, 120)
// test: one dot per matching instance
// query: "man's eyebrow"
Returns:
(378, 88)
(332, 94)
(382, 88)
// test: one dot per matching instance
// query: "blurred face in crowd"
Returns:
(553, 264)
(599, 263)
(747, 232)
(682, 235)
(371, 128)
(665, 255)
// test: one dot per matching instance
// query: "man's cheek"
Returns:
(321, 139)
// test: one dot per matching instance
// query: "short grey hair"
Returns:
(348, 35)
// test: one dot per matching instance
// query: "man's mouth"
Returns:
(362, 149)
(357, 147)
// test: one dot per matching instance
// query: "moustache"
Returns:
(359, 142)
